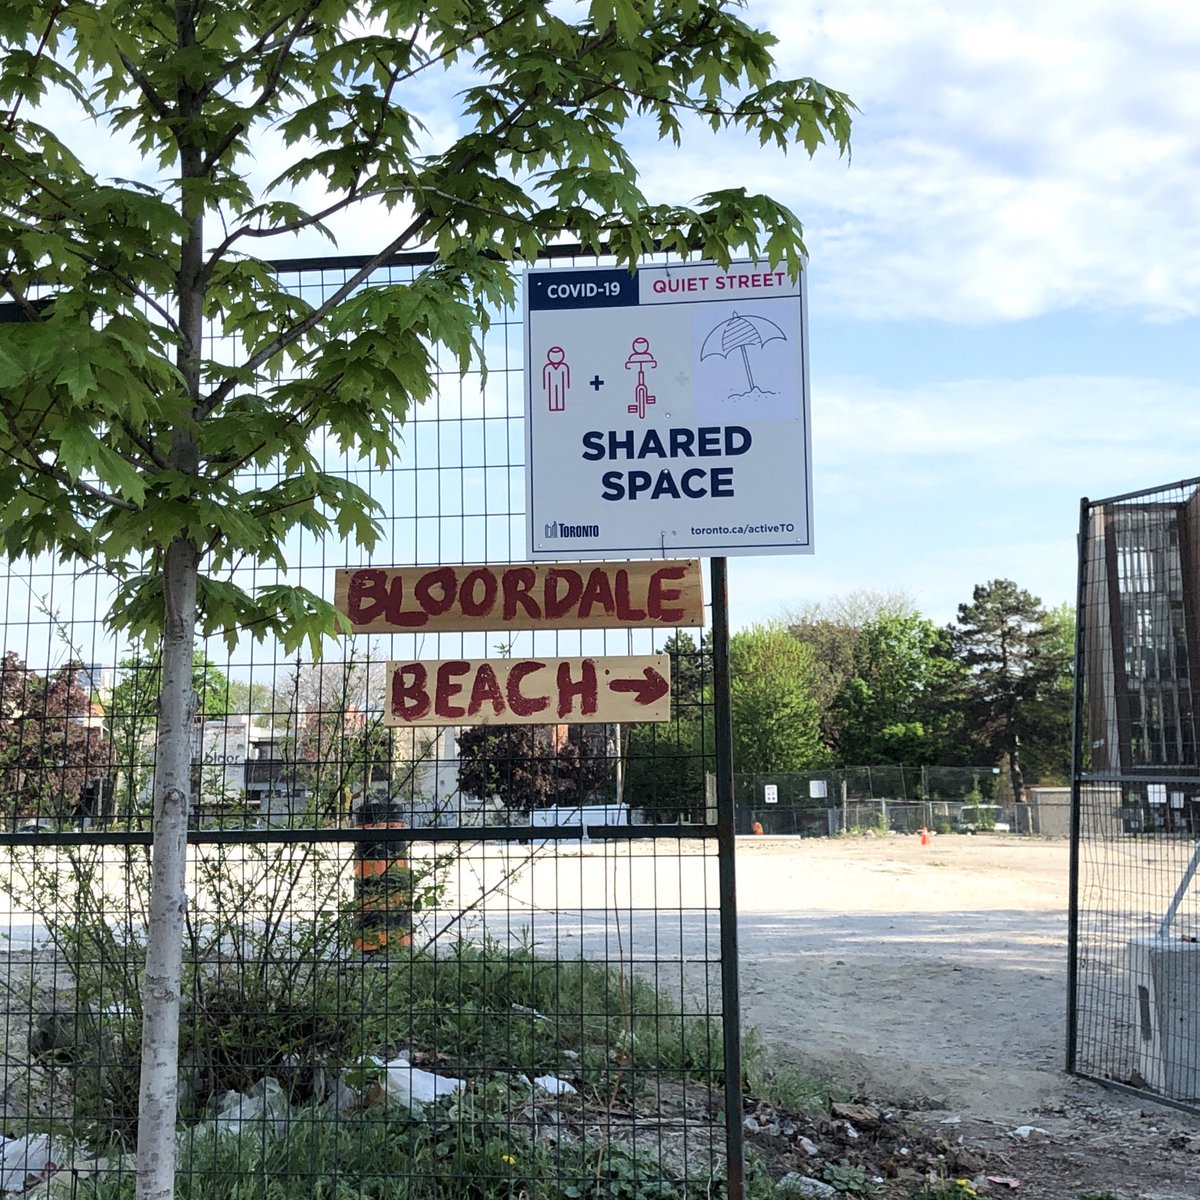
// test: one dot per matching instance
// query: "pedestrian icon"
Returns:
(641, 358)
(556, 378)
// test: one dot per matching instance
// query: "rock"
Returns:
(862, 1116)
(795, 1184)
(808, 1146)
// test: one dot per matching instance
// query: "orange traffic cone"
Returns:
(924, 836)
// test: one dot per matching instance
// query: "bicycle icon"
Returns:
(641, 358)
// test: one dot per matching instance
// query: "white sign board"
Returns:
(666, 412)
(770, 793)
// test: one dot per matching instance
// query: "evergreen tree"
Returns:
(1014, 667)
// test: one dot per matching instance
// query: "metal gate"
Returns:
(1134, 967)
(398, 980)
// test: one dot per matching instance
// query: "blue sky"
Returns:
(1004, 288)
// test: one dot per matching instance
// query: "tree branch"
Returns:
(11, 123)
(156, 102)
(269, 88)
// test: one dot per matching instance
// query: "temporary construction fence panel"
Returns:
(1134, 1003)
(392, 978)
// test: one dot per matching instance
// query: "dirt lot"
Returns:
(936, 976)
(929, 979)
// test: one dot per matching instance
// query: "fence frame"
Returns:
(719, 834)
(1106, 970)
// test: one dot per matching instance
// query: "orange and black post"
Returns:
(382, 883)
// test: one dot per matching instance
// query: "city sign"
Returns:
(666, 412)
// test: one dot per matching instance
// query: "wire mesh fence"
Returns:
(888, 799)
(417, 962)
(1134, 1017)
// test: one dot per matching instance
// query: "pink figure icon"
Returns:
(641, 358)
(556, 378)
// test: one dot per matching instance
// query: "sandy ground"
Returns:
(926, 972)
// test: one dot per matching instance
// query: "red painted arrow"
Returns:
(652, 687)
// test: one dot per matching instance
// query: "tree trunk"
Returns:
(158, 1095)
(1015, 774)
(157, 1102)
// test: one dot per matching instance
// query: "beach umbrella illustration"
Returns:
(738, 333)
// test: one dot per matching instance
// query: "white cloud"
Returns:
(1009, 160)
(933, 489)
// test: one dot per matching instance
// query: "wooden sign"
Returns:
(517, 596)
(528, 691)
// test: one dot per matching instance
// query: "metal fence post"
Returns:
(730, 1001)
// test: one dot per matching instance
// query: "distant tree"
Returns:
(534, 766)
(1013, 655)
(1046, 752)
(665, 762)
(52, 744)
(665, 765)
(130, 713)
(832, 629)
(691, 671)
(336, 743)
(776, 719)
(892, 706)
(251, 698)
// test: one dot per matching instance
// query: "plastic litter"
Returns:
(264, 1103)
(23, 1161)
(414, 1088)
(555, 1086)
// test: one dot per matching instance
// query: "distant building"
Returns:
(1142, 656)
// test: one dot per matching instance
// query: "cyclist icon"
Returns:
(641, 358)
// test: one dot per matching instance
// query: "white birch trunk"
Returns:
(158, 1096)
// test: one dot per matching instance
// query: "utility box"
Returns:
(1165, 975)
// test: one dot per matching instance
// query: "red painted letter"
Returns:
(524, 706)
(560, 600)
(410, 697)
(482, 580)
(517, 584)
(447, 689)
(660, 596)
(486, 688)
(585, 689)
(598, 591)
(625, 610)
(442, 578)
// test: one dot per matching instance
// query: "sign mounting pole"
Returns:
(731, 1016)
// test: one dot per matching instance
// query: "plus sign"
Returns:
(596, 382)
(681, 378)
